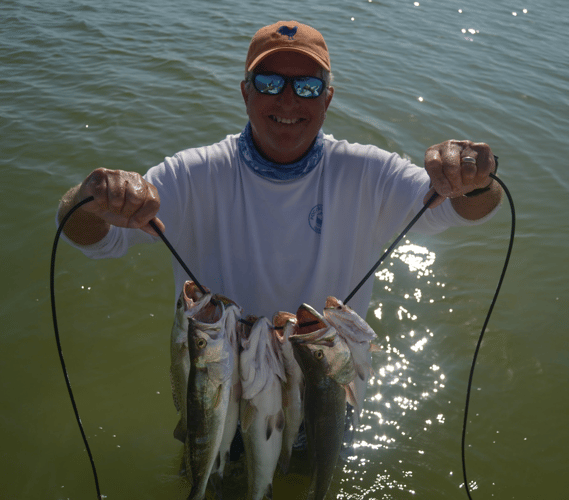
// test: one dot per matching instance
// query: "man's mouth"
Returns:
(286, 121)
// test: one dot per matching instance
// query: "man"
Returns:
(282, 214)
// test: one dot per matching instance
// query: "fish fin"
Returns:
(360, 371)
(280, 423)
(248, 415)
(270, 426)
(174, 392)
(237, 391)
(275, 422)
(269, 493)
(180, 432)
(286, 399)
(182, 470)
(218, 396)
(375, 348)
(351, 397)
(216, 482)
(217, 462)
(284, 459)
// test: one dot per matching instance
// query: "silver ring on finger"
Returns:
(468, 159)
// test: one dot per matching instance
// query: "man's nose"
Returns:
(287, 97)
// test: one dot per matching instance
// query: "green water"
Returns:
(122, 84)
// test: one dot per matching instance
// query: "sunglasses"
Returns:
(307, 87)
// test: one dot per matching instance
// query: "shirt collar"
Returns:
(277, 171)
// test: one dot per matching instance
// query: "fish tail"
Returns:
(284, 460)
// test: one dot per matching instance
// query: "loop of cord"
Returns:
(366, 277)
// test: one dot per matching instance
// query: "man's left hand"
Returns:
(452, 176)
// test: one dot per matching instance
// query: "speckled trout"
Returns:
(232, 417)
(191, 304)
(327, 365)
(358, 335)
(208, 370)
(293, 387)
(262, 417)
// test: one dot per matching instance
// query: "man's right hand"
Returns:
(122, 199)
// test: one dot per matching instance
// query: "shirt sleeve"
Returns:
(113, 245)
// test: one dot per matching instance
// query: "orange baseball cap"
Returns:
(291, 36)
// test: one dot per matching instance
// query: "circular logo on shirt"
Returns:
(315, 218)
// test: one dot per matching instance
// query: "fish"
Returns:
(284, 324)
(261, 413)
(209, 368)
(232, 417)
(326, 362)
(358, 335)
(190, 304)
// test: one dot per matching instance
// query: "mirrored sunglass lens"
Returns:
(308, 86)
(269, 84)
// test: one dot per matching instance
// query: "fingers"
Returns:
(436, 202)
(457, 167)
(122, 198)
(150, 230)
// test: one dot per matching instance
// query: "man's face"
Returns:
(284, 126)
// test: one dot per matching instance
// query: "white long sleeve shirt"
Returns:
(272, 245)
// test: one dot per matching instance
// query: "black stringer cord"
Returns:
(501, 280)
(57, 339)
(177, 256)
(390, 249)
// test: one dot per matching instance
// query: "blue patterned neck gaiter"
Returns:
(278, 171)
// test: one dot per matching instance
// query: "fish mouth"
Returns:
(201, 307)
(309, 319)
(192, 291)
(280, 321)
(333, 303)
(312, 327)
(246, 326)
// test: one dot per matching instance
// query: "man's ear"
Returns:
(245, 92)
(329, 96)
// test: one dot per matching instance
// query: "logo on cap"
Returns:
(286, 31)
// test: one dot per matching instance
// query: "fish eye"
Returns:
(319, 354)
(201, 343)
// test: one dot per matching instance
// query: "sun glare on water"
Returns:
(396, 421)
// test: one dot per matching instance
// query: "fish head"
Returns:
(318, 348)
(280, 321)
(198, 342)
(350, 325)
(210, 350)
(244, 328)
(334, 303)
(325, 358)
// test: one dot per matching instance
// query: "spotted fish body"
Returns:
(326, 362)
(191, 304)
(262, 417)
(208, 367)
(358, 335)
(232, 417)
(292, 387)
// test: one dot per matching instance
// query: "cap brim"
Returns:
(312, 56)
